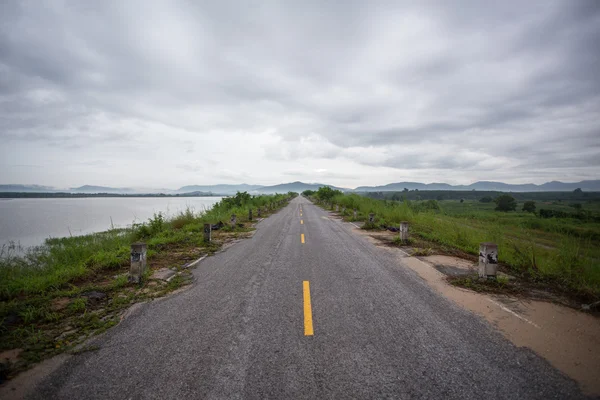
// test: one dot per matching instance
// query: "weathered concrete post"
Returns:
(233, 221)
(371, 218)
(258, 212)
(207, 232)
(403, 231)
(355, 213)
(488, 260)
(337, 208)
(250, 214)
(138, 262)
(343, 210)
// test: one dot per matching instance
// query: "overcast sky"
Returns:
(168, 93)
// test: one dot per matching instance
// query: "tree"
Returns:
(462, 200)
(529, 206)
(486, 199)
(325, 193)
(578, 191)
(505, 202)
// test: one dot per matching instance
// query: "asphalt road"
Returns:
(239, 331)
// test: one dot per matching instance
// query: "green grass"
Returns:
(565, 251)
(60, 261)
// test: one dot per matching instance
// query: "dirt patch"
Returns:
(10, 355)
(568, 339)
(452, 266)
(60, 303)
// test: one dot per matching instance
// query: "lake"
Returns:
(31, 221)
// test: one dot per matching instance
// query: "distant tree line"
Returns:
(439, 195)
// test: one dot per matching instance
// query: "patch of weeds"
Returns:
(51, 316)
(422, 252)
(369, 226)
(177, 282)
(78, 305)
(120, 281)
(398, 242)
(32, 314)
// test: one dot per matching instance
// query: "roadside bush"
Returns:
(156, 224)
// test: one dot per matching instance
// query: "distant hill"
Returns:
(298, 187)
(218, 189)
(100, 189)
(554, 186)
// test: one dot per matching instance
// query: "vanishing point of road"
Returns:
(305, 309)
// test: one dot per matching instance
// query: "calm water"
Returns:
(31, 221)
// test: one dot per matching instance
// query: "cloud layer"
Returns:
(167, 93)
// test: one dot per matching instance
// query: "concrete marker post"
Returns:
(258, 212)
(488, 260)
(403, 231)
(207, 232)
(233, 221)
(371, 218)
(337, 208)
(250, 214)
(355, 213)
(138, 262)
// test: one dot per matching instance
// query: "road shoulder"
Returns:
(568, 339)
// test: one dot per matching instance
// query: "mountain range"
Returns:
(554, 186)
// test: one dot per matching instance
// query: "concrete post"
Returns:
(258, 212)
(233, 221)
(371, 218)
(207, 232)
(343, 210)
(403, 231)
(138, 262)
(250, 214)
(355, 213)
(337, 208)
(488, 260)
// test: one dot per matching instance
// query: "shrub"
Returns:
(505, 202)
(529, 206)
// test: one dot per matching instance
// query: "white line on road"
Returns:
(508, 310)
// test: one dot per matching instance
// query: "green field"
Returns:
(562, 251)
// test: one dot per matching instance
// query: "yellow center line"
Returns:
(308, 323)
(301, 222)
(302, 238)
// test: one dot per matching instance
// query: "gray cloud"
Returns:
(356, 93)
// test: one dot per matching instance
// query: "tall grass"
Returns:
(62, 261)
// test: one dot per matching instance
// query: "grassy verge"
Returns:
(54, 296)
(562, 253)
